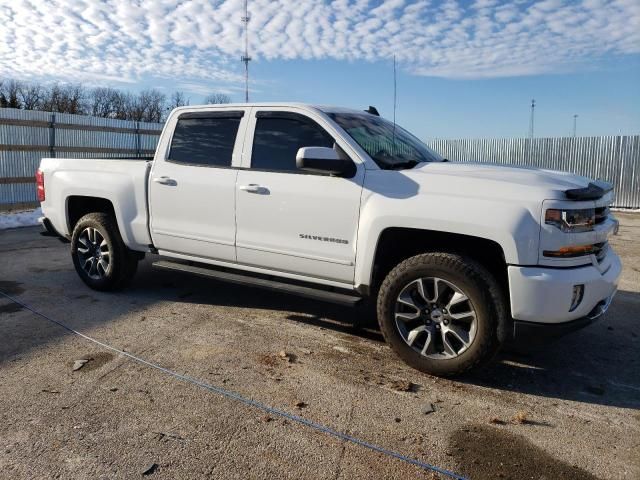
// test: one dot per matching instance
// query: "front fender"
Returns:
(512, 225)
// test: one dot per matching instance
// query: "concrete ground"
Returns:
(569, 411)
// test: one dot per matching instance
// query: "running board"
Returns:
(253, 281)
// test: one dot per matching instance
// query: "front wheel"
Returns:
(99, 255)
(440, 313)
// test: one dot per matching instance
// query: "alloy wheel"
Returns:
(435, 318)
(93, 253)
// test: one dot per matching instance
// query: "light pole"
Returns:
(575, 121)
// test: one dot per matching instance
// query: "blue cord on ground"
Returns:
(248, 401)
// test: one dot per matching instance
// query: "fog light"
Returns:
(576, 298)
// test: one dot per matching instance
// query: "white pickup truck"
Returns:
(344, 206)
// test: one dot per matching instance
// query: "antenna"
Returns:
(575, 121)
(246, 58)
(533, 106)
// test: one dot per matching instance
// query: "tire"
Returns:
(467, 287)
(96, 242)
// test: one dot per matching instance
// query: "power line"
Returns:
(246, 58)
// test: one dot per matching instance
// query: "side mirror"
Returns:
(324, 160)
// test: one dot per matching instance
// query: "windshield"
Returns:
(391, 147)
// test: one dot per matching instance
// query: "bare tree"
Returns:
(66, 99)
(104, 102)
(3, 99)
(133, 107)
(217, 98)
(75, 97)
(52, 98)
(178, 99)
(154, 105)
(31, 95)
(121, 104)
(9, 94)
(148, 106)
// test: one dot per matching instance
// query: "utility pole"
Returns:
(246, 58)
(533, 106)
(394, 99)
(575, 121)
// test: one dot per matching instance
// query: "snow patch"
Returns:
(20, 219)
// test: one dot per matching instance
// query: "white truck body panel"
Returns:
(544, 294)
(193, 208)
(196, 214)
(283, 223)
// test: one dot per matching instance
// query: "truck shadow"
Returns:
(598, 365)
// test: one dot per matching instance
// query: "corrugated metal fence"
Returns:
(27, 136)
(614, 159)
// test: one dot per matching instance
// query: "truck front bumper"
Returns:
(543, 296)
(533, 334)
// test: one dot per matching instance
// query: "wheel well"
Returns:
(398, 244)
(79, 206)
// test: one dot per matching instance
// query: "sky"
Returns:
(464, 68)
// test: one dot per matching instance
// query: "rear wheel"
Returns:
(99, 255)
(440, 313)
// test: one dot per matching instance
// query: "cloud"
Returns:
(199, 42)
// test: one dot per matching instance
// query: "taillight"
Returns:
(40, 185)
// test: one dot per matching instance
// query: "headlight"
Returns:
(571, 221)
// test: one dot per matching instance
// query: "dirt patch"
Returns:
(404, 386)
(96, 360)
(10, 308)
(11, 288)
(268, 360)
(484, 452)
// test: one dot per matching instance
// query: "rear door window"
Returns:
(205, 141)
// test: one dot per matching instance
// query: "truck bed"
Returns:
(123, 182)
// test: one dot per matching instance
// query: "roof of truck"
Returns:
(323, 108)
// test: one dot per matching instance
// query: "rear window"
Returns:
(204, 141)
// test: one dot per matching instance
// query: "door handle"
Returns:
(254, 188)
(165, 181)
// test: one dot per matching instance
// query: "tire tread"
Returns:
(471, 270)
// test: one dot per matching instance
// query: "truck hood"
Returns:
(494, 181)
